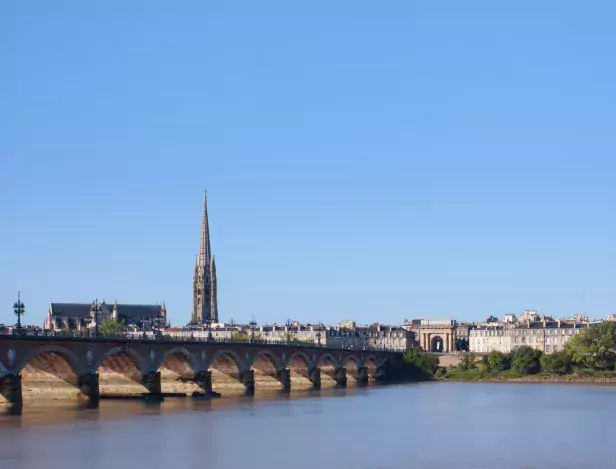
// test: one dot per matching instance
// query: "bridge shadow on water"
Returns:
(62, 412)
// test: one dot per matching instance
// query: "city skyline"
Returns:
(433, 160)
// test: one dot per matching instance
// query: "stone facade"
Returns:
(547, 336)
(437, 335)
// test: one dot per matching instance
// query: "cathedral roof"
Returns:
(72, 310)
(82, 310)
(139, 311)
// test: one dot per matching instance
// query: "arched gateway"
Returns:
(437, 335)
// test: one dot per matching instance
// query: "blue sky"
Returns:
(363, 160)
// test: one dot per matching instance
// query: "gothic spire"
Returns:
(204, 248)
(205, 304)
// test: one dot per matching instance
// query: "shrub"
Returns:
(525, 360)
(422, 362)
(497, 361)
(558, 363)
(468, 362)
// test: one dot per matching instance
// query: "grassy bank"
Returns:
(578, 376)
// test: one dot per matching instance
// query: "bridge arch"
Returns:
(322, 360)
(354, 359)
(371, 360)
(184, 353)
(120, 350)
(75, 364)
(303, 357)
(49, 371)
(271, 356)
(239, 363)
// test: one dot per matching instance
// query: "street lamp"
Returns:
(19, 309)
(253, 325)
(208, 323)
(288, 331)
(320, 328)
(96, 309)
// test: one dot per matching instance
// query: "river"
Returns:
(423, 426)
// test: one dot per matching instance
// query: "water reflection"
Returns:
(427, 426)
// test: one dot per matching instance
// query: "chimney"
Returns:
(559, 323)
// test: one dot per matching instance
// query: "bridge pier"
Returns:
(151, 381)
(88, 386)
(247, 378)
(363, 377)
(203, 379)
(381, 373)
(10, 388)
(284, 376)
(315, 376)
(340, 376)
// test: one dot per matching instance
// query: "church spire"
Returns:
(205, 304)
(204, 248)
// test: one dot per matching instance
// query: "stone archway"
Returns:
(442, 331)
(437, 344)
(178, 368)
(50, 372)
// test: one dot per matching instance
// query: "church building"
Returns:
(205, 297)
(80, 316)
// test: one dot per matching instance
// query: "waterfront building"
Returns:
(205, 284)
(81, 316)
(546, 336)
(359, 337)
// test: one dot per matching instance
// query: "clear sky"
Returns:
(364, 160)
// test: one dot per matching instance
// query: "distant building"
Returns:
(80, 316)
(611, 317)
(510, 318)
(547, 336)
(529, 315)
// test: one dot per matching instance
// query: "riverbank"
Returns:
(598, 377)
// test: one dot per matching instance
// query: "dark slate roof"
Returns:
(139, 311)
(82, 310)
(74, 310)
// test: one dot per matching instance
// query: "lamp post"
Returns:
(288, 331)
(208, 323)
(320, 328)
(96, 309)
(19, 309)
(253, 325)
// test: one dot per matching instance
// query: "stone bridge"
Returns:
(60, 368)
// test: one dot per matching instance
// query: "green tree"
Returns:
(558, 363)
(111, 326)
(497, 361)
(240, 336)
(525, 360)
(594, 347)
(422, 362)
(468, 361)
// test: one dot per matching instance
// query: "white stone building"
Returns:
(547, 336)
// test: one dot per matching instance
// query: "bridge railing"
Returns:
(162, 338)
